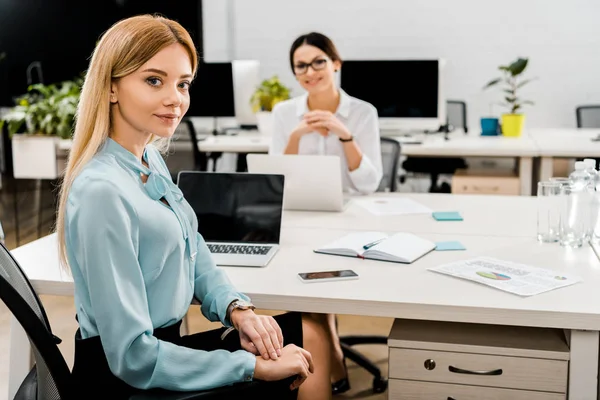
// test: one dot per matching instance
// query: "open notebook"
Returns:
(400, 247)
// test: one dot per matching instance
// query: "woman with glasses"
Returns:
(326, 120)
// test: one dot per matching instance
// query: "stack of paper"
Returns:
(520, 279)
(392, 206)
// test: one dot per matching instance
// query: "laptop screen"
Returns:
(235, 207)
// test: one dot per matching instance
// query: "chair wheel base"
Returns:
(380, 385)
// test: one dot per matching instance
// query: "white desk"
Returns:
(511, 216)
(563, 143)
(433, 145)
(545, 143)
(395, 290)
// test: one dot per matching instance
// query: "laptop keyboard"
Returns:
(238, 249)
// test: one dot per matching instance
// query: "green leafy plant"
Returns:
(270, 92)
(513, 82)
(45, 110)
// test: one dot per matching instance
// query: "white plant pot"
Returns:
(264, 121)
(34, 157)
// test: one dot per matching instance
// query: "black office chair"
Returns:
(390, 157)
(380, 383)
(456, 117)
(50, 378)
(182, 158)
(588, 116)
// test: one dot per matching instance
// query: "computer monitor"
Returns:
(246, 78)
(235, 207)
(407, 94)
(212, 93)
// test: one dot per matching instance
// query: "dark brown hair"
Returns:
(318, 40)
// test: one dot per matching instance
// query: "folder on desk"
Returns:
(400, 247)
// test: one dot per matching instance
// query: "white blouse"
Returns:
(361, 120)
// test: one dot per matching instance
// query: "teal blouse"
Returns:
(136, 264)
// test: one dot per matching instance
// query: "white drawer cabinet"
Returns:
(442, 360)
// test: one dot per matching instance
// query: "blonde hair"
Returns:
(123, 49)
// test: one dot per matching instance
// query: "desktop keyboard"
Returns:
(238, 249)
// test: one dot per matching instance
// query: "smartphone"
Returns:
(327, 276)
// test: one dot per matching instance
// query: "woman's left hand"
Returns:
(327, 120)
(259, 334)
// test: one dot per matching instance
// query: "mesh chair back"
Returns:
(16, 292)
(456, 112)
(183, 154)
(588, 116)
(390, 156)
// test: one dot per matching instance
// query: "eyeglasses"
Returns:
(317, 65)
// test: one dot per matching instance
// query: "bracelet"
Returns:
(351, 138)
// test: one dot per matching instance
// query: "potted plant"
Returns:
(267, 94)
(513, 121)
(41, 117)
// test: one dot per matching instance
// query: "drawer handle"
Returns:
(469, 372)
(451, 398)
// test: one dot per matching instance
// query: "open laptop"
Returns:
(239, 214)
(312, 182)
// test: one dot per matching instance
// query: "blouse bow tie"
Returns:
(158, 187)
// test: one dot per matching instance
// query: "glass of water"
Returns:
(548, 211)
(561, 180)
(575, 207)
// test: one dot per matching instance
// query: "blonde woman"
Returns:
(130, 240)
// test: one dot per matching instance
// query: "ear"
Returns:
(337, 65)
(113, 93)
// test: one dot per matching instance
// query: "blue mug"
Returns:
(490, 127)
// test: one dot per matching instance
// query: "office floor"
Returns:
(62, 313)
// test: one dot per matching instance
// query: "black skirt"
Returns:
(92, 377)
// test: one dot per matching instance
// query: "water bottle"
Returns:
(595, 209)
(582, 200)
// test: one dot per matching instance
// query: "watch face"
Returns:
(242, 303)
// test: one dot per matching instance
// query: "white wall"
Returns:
(561, 38)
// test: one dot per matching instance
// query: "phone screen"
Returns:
(347, 273)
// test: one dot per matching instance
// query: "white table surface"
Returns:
(391, 289)
(399, 290)
(511, 216)
(459, 145)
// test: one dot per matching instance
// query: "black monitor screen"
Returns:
(234, 207)
(211, 94)
(397, 89)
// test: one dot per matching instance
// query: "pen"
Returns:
(369, 245)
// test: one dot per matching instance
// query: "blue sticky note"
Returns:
(447, 216)
(447, 246)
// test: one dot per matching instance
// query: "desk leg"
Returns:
(20, 357)
(525, 175)
(583, 372)
(546, 168)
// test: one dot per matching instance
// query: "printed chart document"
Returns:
(399, 247)
(392, 206)
(520, 279)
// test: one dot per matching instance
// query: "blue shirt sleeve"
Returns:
(212, 287)
(106, 228)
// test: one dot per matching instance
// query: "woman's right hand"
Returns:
(293, 361)
(304, 127)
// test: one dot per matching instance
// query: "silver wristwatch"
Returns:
(239, 305)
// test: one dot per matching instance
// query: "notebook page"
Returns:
(354, 241)
(404, 246)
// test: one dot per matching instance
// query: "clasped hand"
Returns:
(322, 122)
(262, 336)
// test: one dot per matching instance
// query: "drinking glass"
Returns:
(575, 207)
(548, 217)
